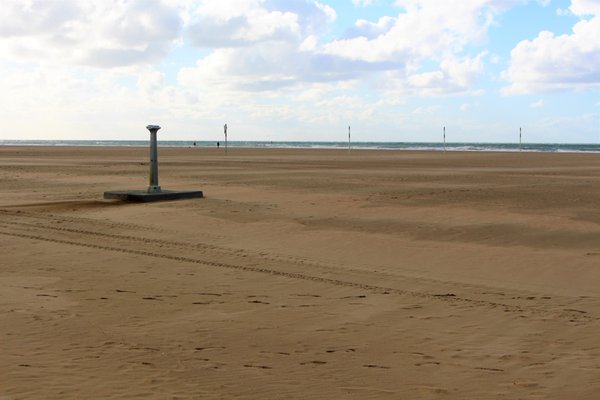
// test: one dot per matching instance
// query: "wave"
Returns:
(409, 146)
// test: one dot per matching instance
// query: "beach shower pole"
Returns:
(153, 186)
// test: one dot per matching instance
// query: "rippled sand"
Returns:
(302, 274)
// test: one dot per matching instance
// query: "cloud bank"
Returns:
(428, 47)
(73, 60)
(87, 32)
(565, 62)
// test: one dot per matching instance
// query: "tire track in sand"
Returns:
(565, 314)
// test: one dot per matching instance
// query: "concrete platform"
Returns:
(141, 196)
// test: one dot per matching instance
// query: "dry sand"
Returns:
(301, 275)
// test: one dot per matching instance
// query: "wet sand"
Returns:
(303, 274)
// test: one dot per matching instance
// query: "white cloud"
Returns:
(426, 110)
(150, 81)
(232, 23)
(261, 45)
(280, 46)
(581, 129)
(427, 29)
(564, 62)
(256, 25)
(468, 106)
(89, 32)
(309, 44)
(495, 59)
(362, 3)
(425, 32)
(585, 7)
(454, 76)
(371, 30)
(261, 61)
(537, 104)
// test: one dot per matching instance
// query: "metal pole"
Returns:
(444, 139)
(153, 186)
(225, 130)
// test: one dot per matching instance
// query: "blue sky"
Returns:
(395, 70)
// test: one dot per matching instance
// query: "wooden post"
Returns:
(348, 139)
(444, 139)
(225, 130)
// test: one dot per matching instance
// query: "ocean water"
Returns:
(435, 146)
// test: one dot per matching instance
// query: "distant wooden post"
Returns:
(444, 139)
(225, 130)
(349, 139)
(520, 146)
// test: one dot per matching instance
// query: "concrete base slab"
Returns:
(142, 196)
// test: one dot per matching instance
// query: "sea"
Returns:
(431, 146)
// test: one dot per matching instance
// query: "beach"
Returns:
(302, 274)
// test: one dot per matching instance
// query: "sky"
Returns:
(301, 70)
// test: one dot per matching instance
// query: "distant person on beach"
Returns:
(218, 144)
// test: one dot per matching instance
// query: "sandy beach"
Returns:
(302, 274)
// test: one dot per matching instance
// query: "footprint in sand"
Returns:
(283, 353)
(314, 362)
(361, 296)
(376, 366)
(258, 302)
(349, 350)
(427, 363)
(209, 348)
(490, 369)
(257, 366)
